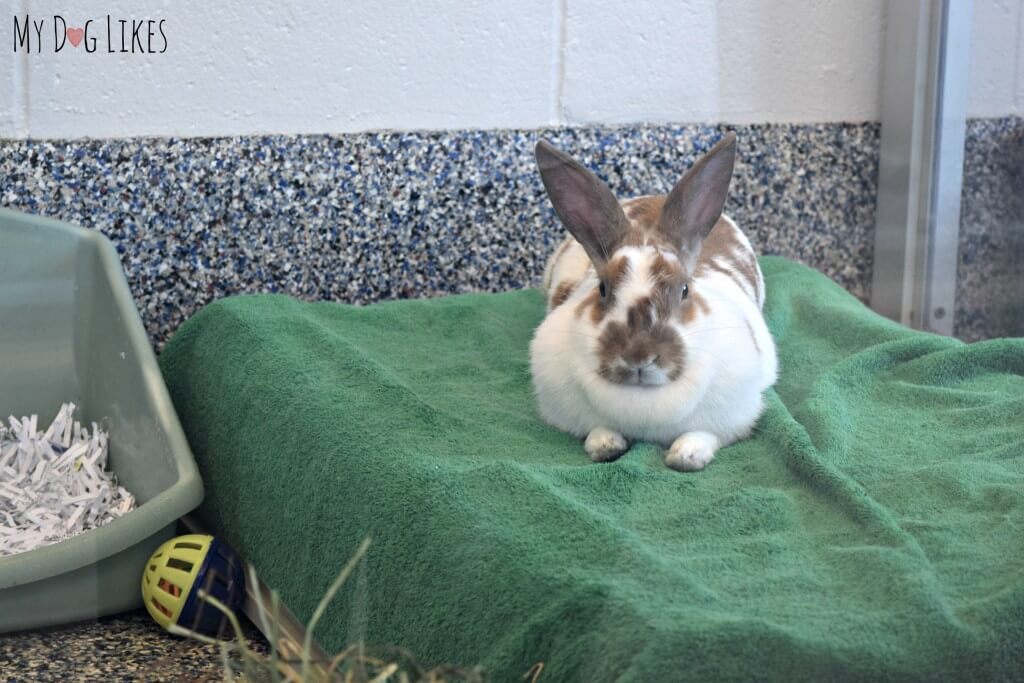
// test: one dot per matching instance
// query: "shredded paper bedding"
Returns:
(54, 484)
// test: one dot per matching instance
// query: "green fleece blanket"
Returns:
(873, 529)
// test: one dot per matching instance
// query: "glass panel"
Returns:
(990, 276)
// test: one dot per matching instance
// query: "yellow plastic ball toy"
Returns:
(179, 569)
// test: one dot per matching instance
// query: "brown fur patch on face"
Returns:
(657, 341)
(613, 274)
(666, 272)
(646, 333)
(640, 315)
(667, 278)
(562, 292)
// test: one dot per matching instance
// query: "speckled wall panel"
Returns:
(990, 276)
(360, 218)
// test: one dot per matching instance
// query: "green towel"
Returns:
(872, 529)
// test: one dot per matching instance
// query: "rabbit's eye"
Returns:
(686, 290)
(601, 288)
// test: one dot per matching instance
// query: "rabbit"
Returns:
(654, 328)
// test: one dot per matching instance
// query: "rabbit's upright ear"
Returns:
(584, 204)
(696, 202)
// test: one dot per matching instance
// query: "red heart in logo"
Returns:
(75, 35)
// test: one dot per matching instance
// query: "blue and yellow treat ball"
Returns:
(179, 569)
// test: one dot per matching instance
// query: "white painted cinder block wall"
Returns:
(331, 66)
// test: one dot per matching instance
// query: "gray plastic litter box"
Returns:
(69, 331)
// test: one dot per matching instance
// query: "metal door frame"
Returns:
(920, 173)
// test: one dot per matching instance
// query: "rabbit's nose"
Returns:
(641, 363)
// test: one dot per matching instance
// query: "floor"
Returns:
(128, 647)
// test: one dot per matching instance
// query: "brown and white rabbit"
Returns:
(654, 329)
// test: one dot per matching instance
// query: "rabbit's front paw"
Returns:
(692, 451)
(603, 444)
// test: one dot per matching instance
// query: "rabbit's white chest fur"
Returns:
(729, 355)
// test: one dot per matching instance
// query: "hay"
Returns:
(354, 664)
